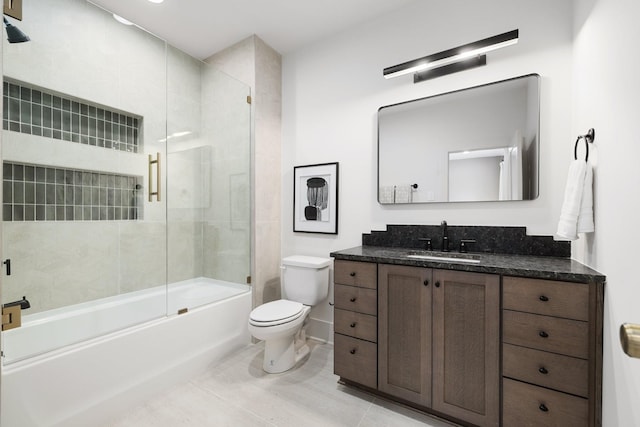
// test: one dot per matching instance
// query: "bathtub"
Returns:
(104, 369)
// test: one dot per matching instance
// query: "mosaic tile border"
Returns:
(48, 114)
(43, 193)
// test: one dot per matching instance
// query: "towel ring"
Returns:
(588, 139)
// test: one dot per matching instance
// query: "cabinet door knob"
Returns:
(437, 284)
(352, 274)
(543, 407)
(353, 325)
(426, 282)
(352, 351)
(353, 299)
(543, 370)
(543, 334)
(544, 298)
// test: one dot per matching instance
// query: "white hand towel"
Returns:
(403, 194)
(585, 217)
(568, 223)
(386, 194)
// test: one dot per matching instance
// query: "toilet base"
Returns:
(282, 354)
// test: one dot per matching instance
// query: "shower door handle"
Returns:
(630, 339)
(157, 163)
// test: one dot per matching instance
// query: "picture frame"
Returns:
(315, 198)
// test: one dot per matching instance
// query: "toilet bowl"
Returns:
(281, 324)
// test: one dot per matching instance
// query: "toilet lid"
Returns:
(276, 311)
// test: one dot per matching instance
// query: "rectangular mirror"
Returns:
(472, 145)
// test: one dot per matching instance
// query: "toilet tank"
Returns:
(305, 279)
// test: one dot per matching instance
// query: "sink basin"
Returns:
(471, 259)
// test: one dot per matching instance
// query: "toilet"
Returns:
(281, 324)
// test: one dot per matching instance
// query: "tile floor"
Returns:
(237, 393)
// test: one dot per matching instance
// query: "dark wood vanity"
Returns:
(511, 340)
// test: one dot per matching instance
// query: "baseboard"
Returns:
(320, 330)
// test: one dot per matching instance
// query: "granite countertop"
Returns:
(540, 267)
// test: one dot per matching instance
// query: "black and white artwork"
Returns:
(315, 198)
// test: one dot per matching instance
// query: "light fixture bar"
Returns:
(462, 65)
(451, 56)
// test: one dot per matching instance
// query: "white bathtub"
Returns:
(88, 381)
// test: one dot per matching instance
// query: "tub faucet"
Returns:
(445, 237)
(23, 303)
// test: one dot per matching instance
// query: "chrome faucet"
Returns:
(445, 237)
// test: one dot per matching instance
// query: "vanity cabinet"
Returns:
(515, 341)
(550, 360)
(439, 341)
(405, 328)
(355, 322)
(466, 346)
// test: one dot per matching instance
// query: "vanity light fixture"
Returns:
(156, 1)
(452, 60)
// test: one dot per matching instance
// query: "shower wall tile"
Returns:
(185, 249)
(43, 193)
(51, 276)
(142, 255)
(227, 252)
(37, 112)
(116, 257)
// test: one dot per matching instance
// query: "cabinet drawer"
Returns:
(563, 336)
(355, 360)
(353, 273)
(548, 297)
(562, 373)
(356, 299)
(363, 326)
(529, 405)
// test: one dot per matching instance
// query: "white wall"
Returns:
(606, 87)
(333, 89)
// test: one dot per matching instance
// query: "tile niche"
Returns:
(37, 192)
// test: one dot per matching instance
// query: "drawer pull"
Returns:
(352, 351)
(353, 325)
(426, 282)
(352, 274)
(544, 298)
(543, 334)
(437, 284)
(543, 407)
(543, 370)
(352, 299)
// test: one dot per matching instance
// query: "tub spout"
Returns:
(23, 303)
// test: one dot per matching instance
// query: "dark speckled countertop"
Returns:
(539, 267)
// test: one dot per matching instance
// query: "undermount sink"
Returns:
(471, 259)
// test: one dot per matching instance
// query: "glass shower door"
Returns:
(84, 156)
(208, 143)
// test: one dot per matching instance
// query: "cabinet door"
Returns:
(404, 332)
(466, 345)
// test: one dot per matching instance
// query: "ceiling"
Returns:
(204, 27)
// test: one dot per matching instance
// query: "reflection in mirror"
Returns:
(477, 144)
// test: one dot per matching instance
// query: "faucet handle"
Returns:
(427, 244)
(464, 243)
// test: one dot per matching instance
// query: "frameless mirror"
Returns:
(471, 145)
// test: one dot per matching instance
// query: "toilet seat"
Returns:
(276, 313)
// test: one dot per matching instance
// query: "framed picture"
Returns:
(315, 198)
